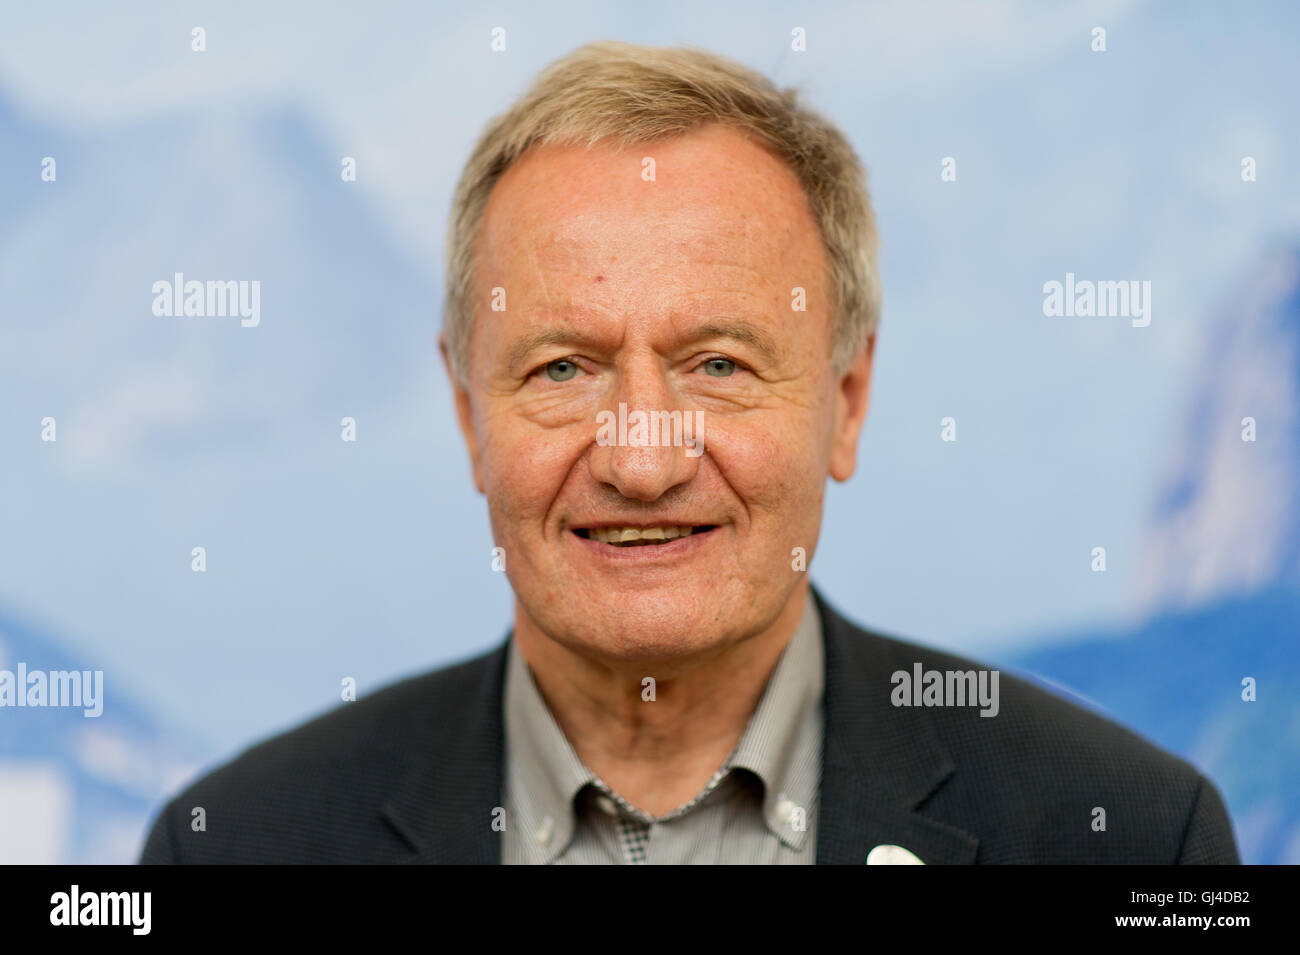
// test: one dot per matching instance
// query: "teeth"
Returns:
(625, 535)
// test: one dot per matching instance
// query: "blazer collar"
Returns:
(443, 805)
(879, 763)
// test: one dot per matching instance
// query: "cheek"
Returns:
(776, 468)
(524, 468)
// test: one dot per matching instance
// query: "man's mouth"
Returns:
(642, 536)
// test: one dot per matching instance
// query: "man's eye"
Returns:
(561, 370)
(719, 367)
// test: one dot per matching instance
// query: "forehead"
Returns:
(717, 201)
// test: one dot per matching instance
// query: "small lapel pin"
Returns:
(892, 855)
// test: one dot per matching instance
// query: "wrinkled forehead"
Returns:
(711, 198)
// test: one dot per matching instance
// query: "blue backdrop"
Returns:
(327, 560)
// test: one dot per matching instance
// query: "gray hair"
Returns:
(629, 95)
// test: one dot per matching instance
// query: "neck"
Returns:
(657, 755)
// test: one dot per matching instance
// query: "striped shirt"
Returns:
(760, 807)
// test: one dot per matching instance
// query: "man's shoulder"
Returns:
(363, 734)
(1042, 775)
(333, 770)
(1027, 723)
(1017, 706)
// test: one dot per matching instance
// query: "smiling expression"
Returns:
(670, 295)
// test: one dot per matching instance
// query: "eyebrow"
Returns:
(743, 332)
(521, 348)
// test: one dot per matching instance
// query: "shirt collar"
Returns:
(782, 742)
(781, 745)
(543, 770)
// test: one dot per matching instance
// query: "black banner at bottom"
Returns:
(335, 903)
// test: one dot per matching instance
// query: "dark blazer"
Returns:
(413, 772)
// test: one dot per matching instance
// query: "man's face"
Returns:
(670, 294)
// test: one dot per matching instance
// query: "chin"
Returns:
(641, 630)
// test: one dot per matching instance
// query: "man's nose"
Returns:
(647, 442)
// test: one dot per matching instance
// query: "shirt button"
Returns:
(606, 805)
(785, 810)
(545, 831)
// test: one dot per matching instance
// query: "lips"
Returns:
(641, 535)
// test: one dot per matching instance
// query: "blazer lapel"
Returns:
(442, 807)
(879, 762)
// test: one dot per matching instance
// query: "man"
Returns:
(661, 313)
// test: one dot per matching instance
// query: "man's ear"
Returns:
(464, 414)
(851, 392)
